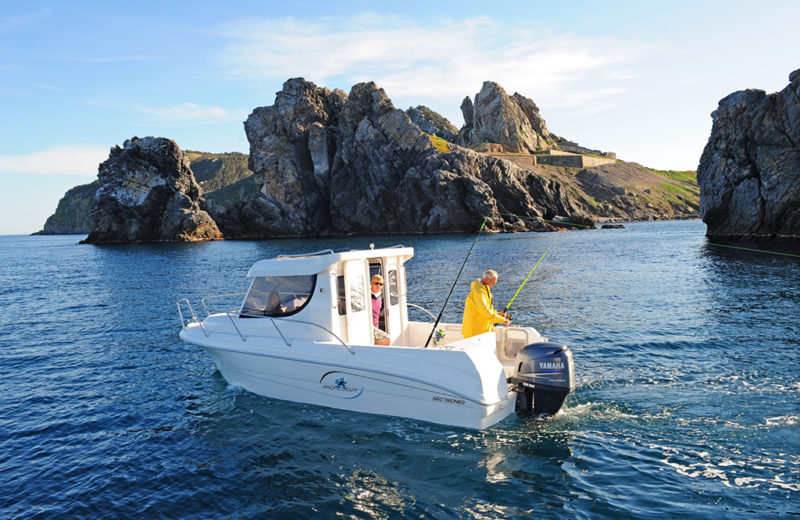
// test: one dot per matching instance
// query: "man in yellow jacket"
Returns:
(479, 314)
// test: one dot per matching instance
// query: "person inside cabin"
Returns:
(479, 313)
(273, 304)
(376, 289)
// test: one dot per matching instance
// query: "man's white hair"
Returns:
(491, 274)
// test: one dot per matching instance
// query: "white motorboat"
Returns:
(304, 332)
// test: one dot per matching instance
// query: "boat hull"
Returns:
(357, 389)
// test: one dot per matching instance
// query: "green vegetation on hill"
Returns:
(440, 144)
(217, 170)
(221, 199)
(683, 176)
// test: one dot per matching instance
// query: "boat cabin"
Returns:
(333, 291)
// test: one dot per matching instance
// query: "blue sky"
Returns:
(637, 78)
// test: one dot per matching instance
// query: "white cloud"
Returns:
(444, 61)
(44, 86)
(61, 160)
(192, 112)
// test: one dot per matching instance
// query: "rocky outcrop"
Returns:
(148, 193)
(329, 163)
(749, 172)
(433, 123)
(224, 178)
(510, 121)
(72, 216)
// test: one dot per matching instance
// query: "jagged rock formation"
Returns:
(433, 123)
(148, 193)
(72, 216)
(330, 163)
(749, 172)
(513, 122)
(224, 178)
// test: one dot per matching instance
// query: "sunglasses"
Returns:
(377, 283)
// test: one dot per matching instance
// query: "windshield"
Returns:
(278, 295)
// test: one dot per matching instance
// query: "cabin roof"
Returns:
(314, 263)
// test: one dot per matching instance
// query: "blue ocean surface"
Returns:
(687, 359)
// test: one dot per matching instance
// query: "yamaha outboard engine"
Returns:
(544, 377)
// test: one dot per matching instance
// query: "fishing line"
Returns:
(755, 250)
(454, 283)
(540, 219)
(525, 281)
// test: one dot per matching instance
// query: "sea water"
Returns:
(687, 363)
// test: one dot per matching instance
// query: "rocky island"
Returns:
(326, 162)
(749, 172)
(148, 193)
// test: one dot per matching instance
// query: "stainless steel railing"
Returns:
(231, 314)
(206, 298)
(194, 318)
(423, 309)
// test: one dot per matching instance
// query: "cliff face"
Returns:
(749, 172)
(328, 163)
(72, 216)
(148, 193)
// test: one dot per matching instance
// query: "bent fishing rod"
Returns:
(524, 282)
(456, 281)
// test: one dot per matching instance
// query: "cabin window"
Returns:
(278, 295)
(341, 296)
(357, 303)
(394, 296)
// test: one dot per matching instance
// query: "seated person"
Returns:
(273, 304)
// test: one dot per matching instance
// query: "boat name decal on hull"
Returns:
(448, 400)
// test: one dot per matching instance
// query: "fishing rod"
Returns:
(524, 282)
(456, 281)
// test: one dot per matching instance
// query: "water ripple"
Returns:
(686, 404)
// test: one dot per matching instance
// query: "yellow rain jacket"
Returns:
(479, 315)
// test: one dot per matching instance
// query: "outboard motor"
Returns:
(544, 377)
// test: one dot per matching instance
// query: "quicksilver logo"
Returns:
(551, 365)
